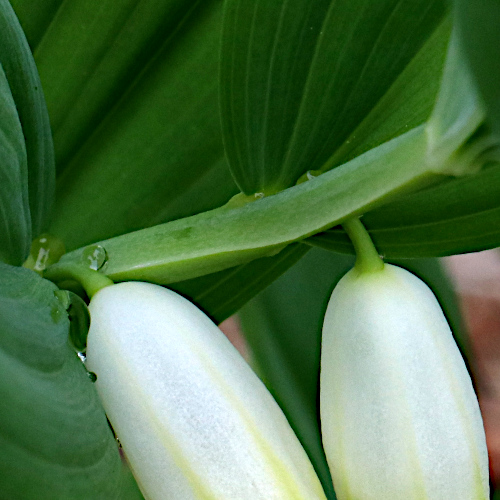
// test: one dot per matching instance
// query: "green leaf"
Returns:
(460, 215)
(35, 16)
(19, 66)
(226, 237)
(55, 440)
(407, 103)
(222, 294)
(15, 221)
(85, 72)
(157, 153)
(477, 24)
(299, 77)
(457, 114)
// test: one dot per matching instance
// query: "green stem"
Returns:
(367, 257)
(92, 281)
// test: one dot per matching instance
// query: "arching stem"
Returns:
(92, 281)
(367, 257)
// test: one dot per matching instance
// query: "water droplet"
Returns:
(56, 313)
(94, 257)
(310, 175)
(92, 376)
(60, 306)
(82, 356)
(259, 195)
(63, 297)
(45, 251)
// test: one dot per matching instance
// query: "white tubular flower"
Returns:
(400, 419)
(194, 421)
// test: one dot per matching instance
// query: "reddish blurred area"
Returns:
(477, 280)
(232, 330)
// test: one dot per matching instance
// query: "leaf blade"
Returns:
(55, 439)
(85, 72)
(478, 29)
(26, 89)
(222, 294)
(159, 149)
(287, 111)
(35, 21)
(15, 217)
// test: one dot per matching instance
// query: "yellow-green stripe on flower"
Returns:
(400, 419)
(194, 421)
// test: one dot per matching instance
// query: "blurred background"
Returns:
(477, 280)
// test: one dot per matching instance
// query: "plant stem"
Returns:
(367, 257)
(92, 281)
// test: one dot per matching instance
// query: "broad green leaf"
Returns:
(157, 154)
(299, 77)
(457, 114)
(222, 294)
(226, 237)
(282, 326)
(460, 215)
(35, 16)
(407, 103)
(54, 436)
(85, 72)
(15, 221)
(478, 23)
(24, 82)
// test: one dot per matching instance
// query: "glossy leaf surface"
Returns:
(299, 77)
(55, 440)
(15, 220)
(22, 75)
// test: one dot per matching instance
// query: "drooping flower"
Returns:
(194, 421)
(400, 419)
